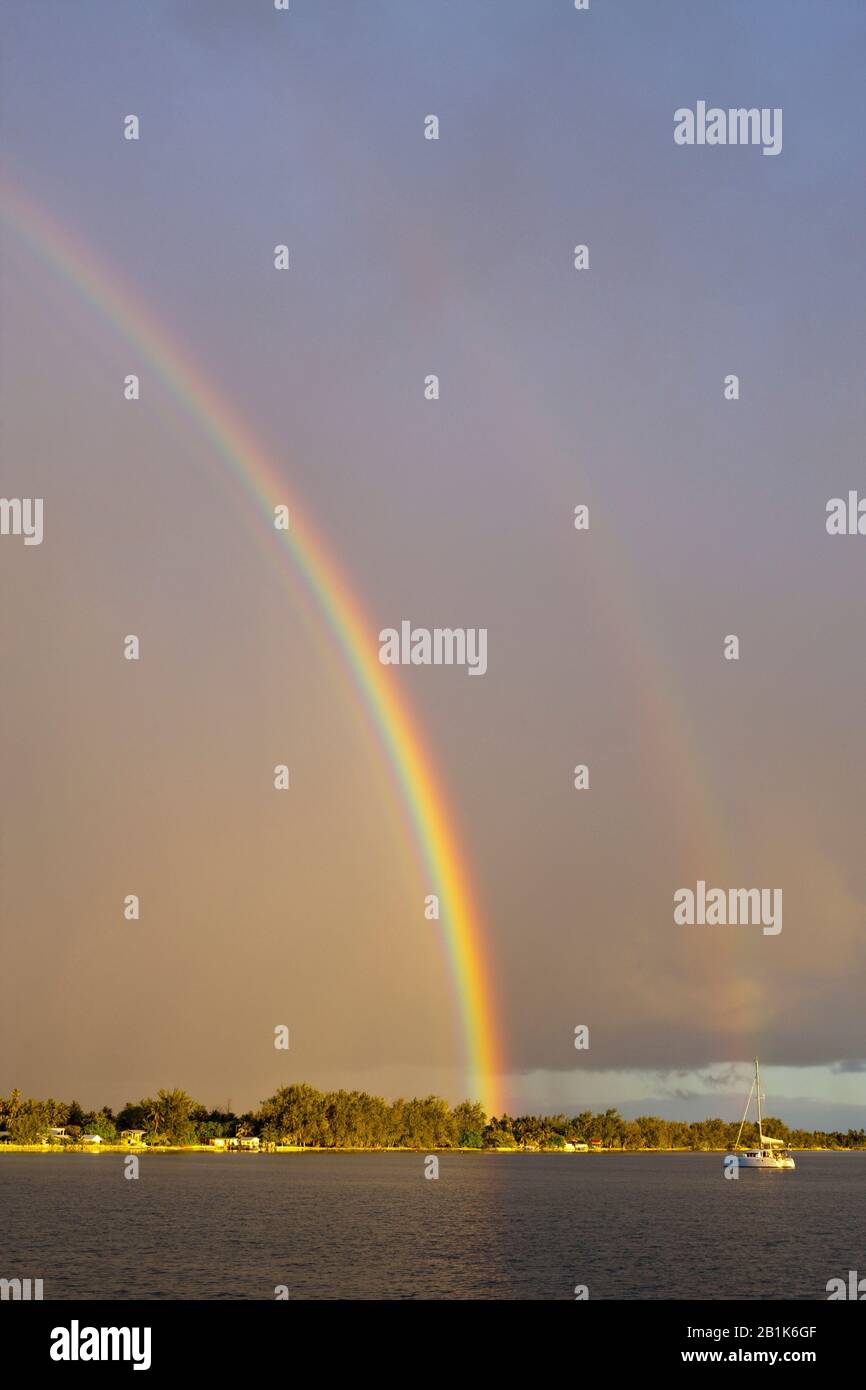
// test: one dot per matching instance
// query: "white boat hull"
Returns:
(765, 1158)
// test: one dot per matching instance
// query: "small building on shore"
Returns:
(248, 1143)
(132, 1136)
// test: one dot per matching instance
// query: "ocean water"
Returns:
(371, 1226)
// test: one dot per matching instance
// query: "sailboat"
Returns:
(771, 1153)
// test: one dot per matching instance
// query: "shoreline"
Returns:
(349, 1149)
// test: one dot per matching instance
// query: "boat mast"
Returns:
(758, 1089)
(745, 1115)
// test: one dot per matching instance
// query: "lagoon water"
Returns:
(370, 1226)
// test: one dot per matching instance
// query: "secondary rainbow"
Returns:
(410, 762)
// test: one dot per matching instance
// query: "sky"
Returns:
(558, 387)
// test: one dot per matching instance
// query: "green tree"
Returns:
(468, 1121)
(133, 1116)
(291, 1114)
(168, 1118)
(30, 1123)
(653, 1132)
(100, 1122)
(553, 1141)
(632, 1137)
(75, 1114)
(609, 1129)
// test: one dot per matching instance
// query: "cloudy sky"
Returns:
(605, 647)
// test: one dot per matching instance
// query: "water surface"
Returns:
(369, 1226)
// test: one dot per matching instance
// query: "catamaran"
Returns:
(770, 1153)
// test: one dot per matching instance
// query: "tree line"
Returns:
(301, 1115)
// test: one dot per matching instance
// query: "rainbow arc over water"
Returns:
(242, 455)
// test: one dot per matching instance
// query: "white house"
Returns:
(247, 1142)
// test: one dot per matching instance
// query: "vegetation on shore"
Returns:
(303, 1117)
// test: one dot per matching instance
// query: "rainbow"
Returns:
(327, 587)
